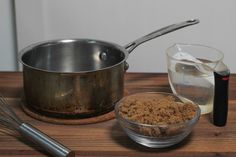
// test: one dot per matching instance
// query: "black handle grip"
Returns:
(220, 105)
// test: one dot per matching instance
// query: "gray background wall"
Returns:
(7, 36)
(122, 21)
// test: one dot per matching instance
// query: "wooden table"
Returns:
(108, 139)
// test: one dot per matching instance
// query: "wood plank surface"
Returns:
(107, 138)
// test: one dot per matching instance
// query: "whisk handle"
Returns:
(50, 145)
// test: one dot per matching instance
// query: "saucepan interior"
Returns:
(73, 56)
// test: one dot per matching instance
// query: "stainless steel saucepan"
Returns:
(77, 78)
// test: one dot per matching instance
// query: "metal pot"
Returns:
(77, 78)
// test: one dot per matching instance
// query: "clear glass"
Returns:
(190, 73)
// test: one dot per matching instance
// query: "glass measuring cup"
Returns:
(197, 72)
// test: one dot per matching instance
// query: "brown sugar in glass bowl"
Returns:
(156, 119)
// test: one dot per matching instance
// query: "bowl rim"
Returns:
(186, 123)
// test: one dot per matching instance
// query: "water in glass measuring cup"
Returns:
(187, 81)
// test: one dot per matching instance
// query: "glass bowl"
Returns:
(158, 135)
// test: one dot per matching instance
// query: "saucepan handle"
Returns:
(132, 45)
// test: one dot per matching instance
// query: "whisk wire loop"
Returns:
(7, 112)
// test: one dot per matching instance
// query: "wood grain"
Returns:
(108, 139)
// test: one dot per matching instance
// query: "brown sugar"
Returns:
(157, 110)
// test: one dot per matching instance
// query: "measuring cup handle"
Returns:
(220, 105)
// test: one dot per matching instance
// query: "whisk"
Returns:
(10, 120)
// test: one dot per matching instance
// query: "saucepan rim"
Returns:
(70, 40)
